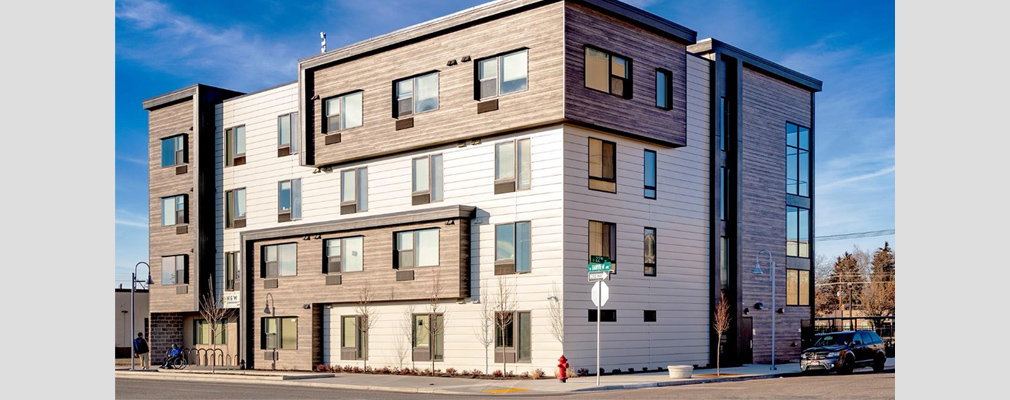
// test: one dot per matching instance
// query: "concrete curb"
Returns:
(697, 381)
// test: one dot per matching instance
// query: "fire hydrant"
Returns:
(563, 369)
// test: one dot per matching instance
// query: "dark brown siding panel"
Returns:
(638, 117)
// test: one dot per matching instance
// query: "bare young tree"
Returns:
(437, 315)
(212, 311)
(483, 332)
(367, 318)
(407, 334)
(720, 322)
(557, 315)
(505, 304)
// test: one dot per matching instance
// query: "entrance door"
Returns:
(747, 337)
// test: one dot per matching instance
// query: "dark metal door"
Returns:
(747, 337)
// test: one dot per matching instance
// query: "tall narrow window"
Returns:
(344, 255)
(723, 266)
(650, 252)
(352, 343)
(343, 112)
(231, 271)
(202, 332)
(280, 260)
(235, 146)
(417, 248)
(173, 210)
(512, 169)
(514, 339)
(664, 98)
(427, 179)
(723, 192)
(174, 270)
(512, 248)
(608, 72)
(797, 232)
(428, 336)
(797, 160)
(501, 75)
(173, 151)
(415, 95)
(287, 134)
(724, 126)
(797, 287)
(289, 200)
(353, 190)
(603, 242)
(235, 208)
(650, 174)
(602, 165)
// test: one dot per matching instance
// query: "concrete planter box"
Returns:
(680, 371)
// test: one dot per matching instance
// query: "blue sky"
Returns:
(162, 46)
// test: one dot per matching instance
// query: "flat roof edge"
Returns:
(180, 94)
(778, 70)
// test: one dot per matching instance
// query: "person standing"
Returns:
(141, 349)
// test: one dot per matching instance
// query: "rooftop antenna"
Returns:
(322, 44)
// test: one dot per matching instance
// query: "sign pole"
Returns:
(599, 299)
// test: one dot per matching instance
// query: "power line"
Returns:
(855, 235)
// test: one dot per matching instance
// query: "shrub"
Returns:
(451, 371)
(356, 369)
(582, 372)
(631, 370)
(537, 373)
(569, 373)
(367, 370)
(348, 368)
(476, 373)
(510, 374)
(645, 369)
(498, 374)
(427, 371)
(524, 375)
(384, 370)
(406, 371)
(615, 371)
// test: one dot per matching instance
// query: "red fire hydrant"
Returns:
(563, 369)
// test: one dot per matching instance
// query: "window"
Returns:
(797, 232)
(797, 287)
(608, 315)
(602, 165)
(280, 260)
(608, 73)
(417, 248)
(415, 95)
(603, 242)
(235, 208)
(797, 160)
(428, 337)
(231, 271)
(287, 134)
(289, 200)
(650, 174)
(664, 97)
(280, 333)
(427, 180)
(173, 210)
(353, 191)
(723, 192)
(724, 126)
(501, 75)
(516, 337)
(512, 166)
(235, 146)
(650, 251)
(202, 333)
(353, 337)
(173, 151)
(174, 270)
(512, 248)
(650, 316)
(343, 112)
(344, 255)
(723, 266)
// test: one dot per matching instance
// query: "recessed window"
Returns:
(513, 336)
(650, 316)
(501, 75)
(280, 333)
(173, 151)
(235, 146)
(174, 270)
(344, 255)
(608, 315)
(608, 73)
(231, 271)
(650, 174)
(280, 260)
(235, 208)
(428, 336)
(343, 112)
(289, 200)
(723, 192)
(512, 166)
(603, 242)
(353, 190)
(797, 287)
(664, 98)
(353, 337)
(797, 160)
(417, 248)
(723, 266)
(173, 210)
(415, 95)
(512, 248)
(797, 232)
(650, 252)
(287, 133)
(602, 165)
(427, 179)
(724, 127)
(202, 332)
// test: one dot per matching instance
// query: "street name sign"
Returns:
(599, 264)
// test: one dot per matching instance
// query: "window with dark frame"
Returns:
(173, 151)
(231, 271)
(797, 232)
(426, 186)
(608, 315)
(415, 95)
(515, 340)
(174, 210)
(353, 191)
(649, 316)
(343, 112)
(289, 200)
(608, 73)
(502, 74)
(174, 270)
(352, 338)
(513, 253)
(650, 174)
(724, 127)
(280, 260)
(287, 134)
(797, 160)
(650, 252)
(602, 165)
(235, 208)
(235, 146)
(344, 255)
(797, 287)
(723, 192)
(603, 242)
(417, 248)
(512, 166)
(280, 333)
(428, 337)
(664, 92)
(202, 332)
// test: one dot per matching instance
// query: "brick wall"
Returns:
(166, 328)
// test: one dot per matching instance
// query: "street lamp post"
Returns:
(757, 271)
(273, 313)
(133, 291)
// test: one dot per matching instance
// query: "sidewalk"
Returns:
(463, 386)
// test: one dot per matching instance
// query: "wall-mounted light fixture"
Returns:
(746, 311)
(465, 59)
(306, 306)
(450, 63)
(759, 306)
(782, 310)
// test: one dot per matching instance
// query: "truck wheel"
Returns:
(878, 363)
(847, 365)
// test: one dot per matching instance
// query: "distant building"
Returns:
(141, 322)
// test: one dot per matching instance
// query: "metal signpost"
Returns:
(599, 270)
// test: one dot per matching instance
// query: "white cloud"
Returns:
(135, 224)
(131, 160)
(856, 178)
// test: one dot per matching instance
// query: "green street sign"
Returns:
(599, 264)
